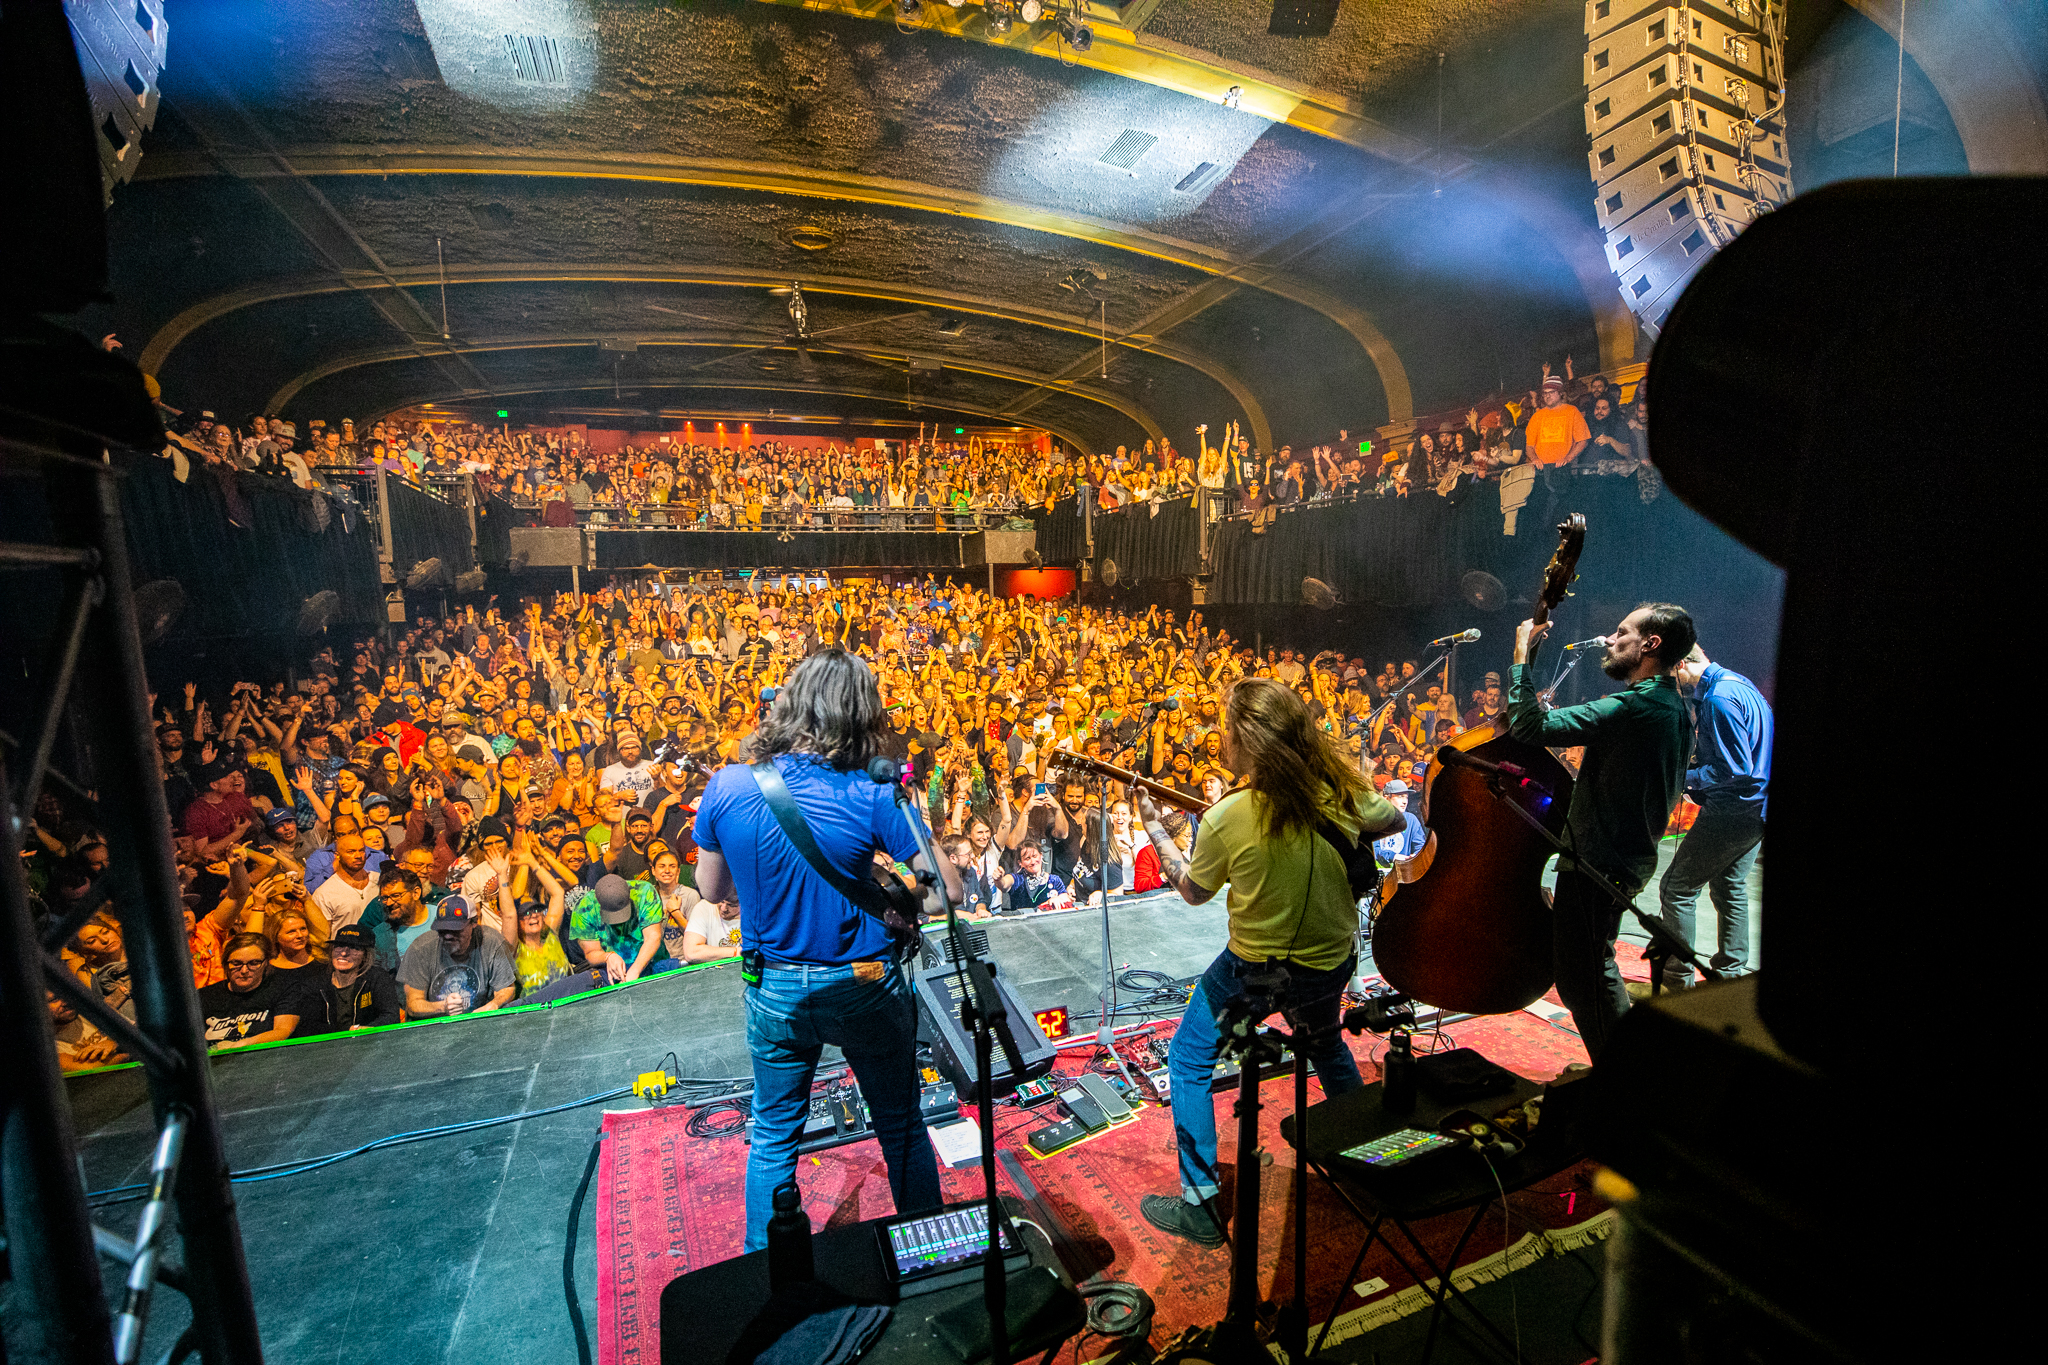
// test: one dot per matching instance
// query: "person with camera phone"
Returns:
(821, 941)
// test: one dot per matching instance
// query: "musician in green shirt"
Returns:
(1636, 744)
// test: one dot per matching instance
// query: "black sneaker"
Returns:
(1198, 1223)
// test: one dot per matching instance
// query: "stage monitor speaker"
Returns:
(938, 1006)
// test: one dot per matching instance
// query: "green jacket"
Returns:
(1636, 742)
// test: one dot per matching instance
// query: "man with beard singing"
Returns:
(1636, 742)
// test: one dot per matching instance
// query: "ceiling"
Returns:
(352, 206)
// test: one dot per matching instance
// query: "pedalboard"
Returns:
(1161, 1084)
(1225, 1076)
(838, 1115)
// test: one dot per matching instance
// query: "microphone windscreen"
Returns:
(882, 770)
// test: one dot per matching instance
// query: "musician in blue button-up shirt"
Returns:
(1730, 778)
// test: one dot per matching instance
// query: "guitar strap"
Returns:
(867, 897)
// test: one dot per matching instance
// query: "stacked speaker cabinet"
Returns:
(1684, 109)
(121, 47)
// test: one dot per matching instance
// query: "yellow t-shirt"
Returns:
(1282, 904)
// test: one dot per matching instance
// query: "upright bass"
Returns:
(1464, 924)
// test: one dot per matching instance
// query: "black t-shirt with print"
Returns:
(230, 1016)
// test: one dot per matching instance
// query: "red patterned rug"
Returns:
(668, 1203)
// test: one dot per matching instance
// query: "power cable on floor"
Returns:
(569, 1253)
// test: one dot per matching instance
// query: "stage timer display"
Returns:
(1053, 1022)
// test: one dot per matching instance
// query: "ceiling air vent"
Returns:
(1128, 149)
(1196, 178)
(536, 60)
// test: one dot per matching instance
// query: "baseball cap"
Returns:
(640, 814)
(453, 913)
(386, 713)
(353, 936)
(1396, 788)
(282, 817)
(614, 901)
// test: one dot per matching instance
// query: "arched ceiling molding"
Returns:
(219, 306)
(1122, 52)
(715, 340)
(1970, 51)
(412, 400)
(1231, 273)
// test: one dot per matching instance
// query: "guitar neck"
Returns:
(1080, 763)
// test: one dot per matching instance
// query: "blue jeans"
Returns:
(1718, 853)
(791, 1015)
(1313, 1000)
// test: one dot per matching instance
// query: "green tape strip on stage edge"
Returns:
(473, 1016)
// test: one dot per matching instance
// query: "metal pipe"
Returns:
(16, 555)
(85, 507)
(81, 595)
(142, 1270)
(61, 1300)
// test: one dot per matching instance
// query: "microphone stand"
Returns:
(1372, 718)
(981, 1009)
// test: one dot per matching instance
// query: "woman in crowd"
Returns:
(299, 956)
(355, 992)
(249, 1007)
(538, 958)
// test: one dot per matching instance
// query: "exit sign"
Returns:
(1052, 1022)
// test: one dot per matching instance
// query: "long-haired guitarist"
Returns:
(1291, 905)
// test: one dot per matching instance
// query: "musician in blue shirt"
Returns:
(1730, 778)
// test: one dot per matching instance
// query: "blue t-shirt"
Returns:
(1405, 844)
(790, 912)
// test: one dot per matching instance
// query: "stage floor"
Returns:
(451, 1249)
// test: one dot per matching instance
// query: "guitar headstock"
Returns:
(1563, 566)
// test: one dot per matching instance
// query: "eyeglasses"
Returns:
(245, 964)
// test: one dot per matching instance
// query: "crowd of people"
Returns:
(1566, 423)
(497, 807)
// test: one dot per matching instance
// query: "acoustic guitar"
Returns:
(1082, 765)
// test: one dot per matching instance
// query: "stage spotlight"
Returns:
(909, 11)
(1076, 34)
(955, 4)
(1031, 11)
(1233, 97)
(1000, 16)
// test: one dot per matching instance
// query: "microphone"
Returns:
(1462, 638)
(883, 770)
(1600, 640)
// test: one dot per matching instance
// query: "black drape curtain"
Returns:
(1150, 543)
(424, 527)
(495, 519)
(768, 549)
(1061, 537)
(247, 548)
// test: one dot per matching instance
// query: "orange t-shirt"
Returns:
(1553, 431)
